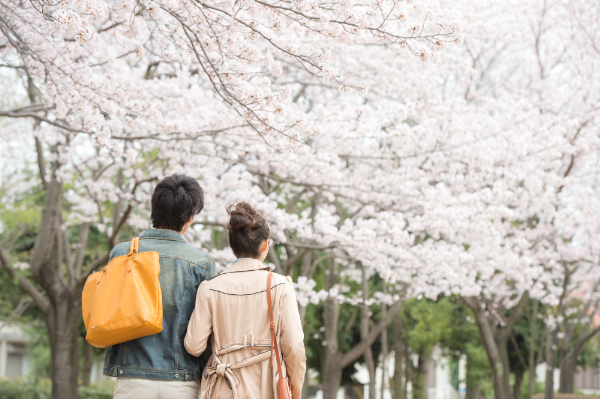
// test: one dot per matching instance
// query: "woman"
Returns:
(233, 308)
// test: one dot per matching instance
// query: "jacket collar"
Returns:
(162, 234)
(245, 265)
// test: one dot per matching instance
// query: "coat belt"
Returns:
(227, 371)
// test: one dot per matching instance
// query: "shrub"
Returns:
(17, 388)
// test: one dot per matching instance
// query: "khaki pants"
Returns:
(137, 388)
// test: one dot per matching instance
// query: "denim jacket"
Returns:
(163, 356)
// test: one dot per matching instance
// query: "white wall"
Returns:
(540, 375)
(12, 352)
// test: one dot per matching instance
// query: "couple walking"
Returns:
(216, 337)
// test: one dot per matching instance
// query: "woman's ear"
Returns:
(264, 250)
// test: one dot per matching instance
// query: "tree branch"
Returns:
(118, 227)
(112, 239)
(272, 256)
(25, 284)
(517, 311)
(207, 223)
(102, 259)
(356, 352)
(31, 111)
(21, 307)
(45, 236)
(472, 302)
(314, 247)
(41, 162)
(585, 338)
(84, 231)
(292, 260)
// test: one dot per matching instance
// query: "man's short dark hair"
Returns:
(175, 200)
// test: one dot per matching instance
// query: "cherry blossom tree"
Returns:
(111, 81)
(83, 189)
(529, 178)
(465, 176)
(96, 58)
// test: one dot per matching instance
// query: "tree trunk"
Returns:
(502, 344)
(332, 373)
(568, 361)
(335, 360)
(532, 340)
(371, 367)
(408, 366)
(424, 369)
(384, 348)
(306, 272)
(62, 322)
(399, 359)
(550, 364)
(568, 366)
(306, 263)
(501, 389)
(305, 386)
(419, 389)
(364, 332)
(302, 312)
(60, 275)
(384, 356)
(88, 360)
(496, 351)
(471, 391)
(518, 382)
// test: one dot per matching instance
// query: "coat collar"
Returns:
(162, 234)
(245, 265)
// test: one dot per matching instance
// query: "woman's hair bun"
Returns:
(242, 217)
(248, 230)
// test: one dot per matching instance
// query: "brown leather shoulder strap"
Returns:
(274, 346)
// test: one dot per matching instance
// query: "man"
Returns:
(158, 366)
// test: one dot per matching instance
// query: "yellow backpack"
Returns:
(123, 301)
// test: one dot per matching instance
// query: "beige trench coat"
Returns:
(233, 308)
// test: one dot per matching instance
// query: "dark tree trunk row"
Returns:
(335, 361)
(399, 360)
(495, 340)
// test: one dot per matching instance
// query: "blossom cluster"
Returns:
(473, 177)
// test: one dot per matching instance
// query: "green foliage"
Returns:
(18, 388)
(24, 389)
(453, 371)
(589, 354)
(426, 322)
(39, 349)
(21, 224)
(538, 387)
(458, 335)
(478, 367)
(10, 296)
